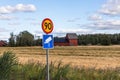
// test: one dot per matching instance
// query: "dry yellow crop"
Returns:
(77, 56)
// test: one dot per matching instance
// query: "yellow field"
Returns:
(80, 56)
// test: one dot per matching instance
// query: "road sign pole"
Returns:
(47, 61)
(47, 27)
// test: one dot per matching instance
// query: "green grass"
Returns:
(10, 69)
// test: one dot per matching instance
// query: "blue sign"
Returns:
(48, 41)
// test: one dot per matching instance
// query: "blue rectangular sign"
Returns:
(48, 41)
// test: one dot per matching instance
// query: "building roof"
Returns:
(60, 40)
(72, 36)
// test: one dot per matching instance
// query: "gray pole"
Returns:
(47, 60)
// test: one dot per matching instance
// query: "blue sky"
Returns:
(78, 16)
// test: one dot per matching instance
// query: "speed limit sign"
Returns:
(47, 25)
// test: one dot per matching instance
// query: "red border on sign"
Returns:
(43, 25)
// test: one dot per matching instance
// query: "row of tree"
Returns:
(99, 39)
(24, 38)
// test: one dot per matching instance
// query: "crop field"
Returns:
(98, 57)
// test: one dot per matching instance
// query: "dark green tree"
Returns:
(98, 39)
(12, 40)
(38, 42)
(25, 39)
(105, 40)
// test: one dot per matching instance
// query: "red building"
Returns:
(71, 39)
(3, 43)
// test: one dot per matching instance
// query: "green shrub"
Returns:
(7, 62)
(61, 72)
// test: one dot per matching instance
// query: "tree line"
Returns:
(99, 39)
(25, 38)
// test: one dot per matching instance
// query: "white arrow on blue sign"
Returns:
(48, 41)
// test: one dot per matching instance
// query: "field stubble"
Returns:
(78, 56)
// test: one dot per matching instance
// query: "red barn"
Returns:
(60, 41)
(71, 39)
(3, 43)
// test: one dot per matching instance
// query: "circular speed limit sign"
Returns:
(47, 25)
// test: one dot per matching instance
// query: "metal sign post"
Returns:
(48, 42)
(47, 60)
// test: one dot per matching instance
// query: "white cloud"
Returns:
(24, 8)
(3, 30)
(6, 9)
(35, 23)
(17, 8)
(14, 24)
(30, 19)
(95, 17)
(105, 25)
(4, 37)
(73, 20)
(112, 7)
(62, 31)
(6, 17)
